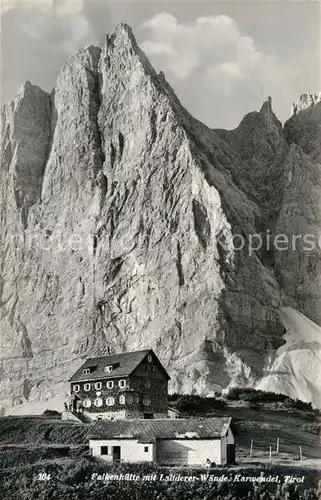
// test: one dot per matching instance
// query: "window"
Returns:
(137, 399)
(145, 368)
(108, 369)
(87, 387)
(153, 369)
(129, 399)
(87, 403)
(147, 384)
(98, 386)
(150, 358)
(110, 384)
(86, 371)
(110, 401)
(104, 450)
(145, 449)
(122, 383)
(122, 400)
(98, 402)
(146, 401)
(76, 388)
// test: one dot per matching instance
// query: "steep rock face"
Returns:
(261, 151)
(304, 127)
(297, 263)
(128, 242)
(47, 267)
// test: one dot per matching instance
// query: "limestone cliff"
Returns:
(118, 216)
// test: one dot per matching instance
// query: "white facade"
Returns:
(182, 442)
(130, 450)
(110, 415)
(188, 451)
(165, 451)
(173, 413)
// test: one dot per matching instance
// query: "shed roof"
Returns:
(127, 361)
(187, 428)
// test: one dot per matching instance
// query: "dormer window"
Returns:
(86, 371)
(108, 368)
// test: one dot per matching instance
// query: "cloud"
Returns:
(219, 68)
(38, 37)
(212, 42)
(219, 72)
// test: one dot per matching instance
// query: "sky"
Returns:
(223, 59)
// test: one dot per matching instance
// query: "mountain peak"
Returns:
(121, 50)
(124, 33)
(267, 106)
(29, 90)
(306, 100)
(126, 207)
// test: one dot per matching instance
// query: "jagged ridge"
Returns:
(127, 242)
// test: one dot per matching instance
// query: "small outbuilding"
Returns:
(191, 441)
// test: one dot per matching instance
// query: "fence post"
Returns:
(277, 445)
(301, 454)
(270, 460)
(251, 448)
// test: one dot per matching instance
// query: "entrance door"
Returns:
(116, 454)
(231, 453)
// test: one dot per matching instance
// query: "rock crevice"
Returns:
(125, 208)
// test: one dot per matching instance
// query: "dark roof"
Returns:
(128, 361)
(175, 410)
(184, 428)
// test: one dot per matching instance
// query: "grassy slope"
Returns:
(264, 426)
(71, 480)
(293, 428)
(33, 430)
(30, 445)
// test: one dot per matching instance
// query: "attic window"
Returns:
(108, 369)
(86, 371)
(150, 358)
